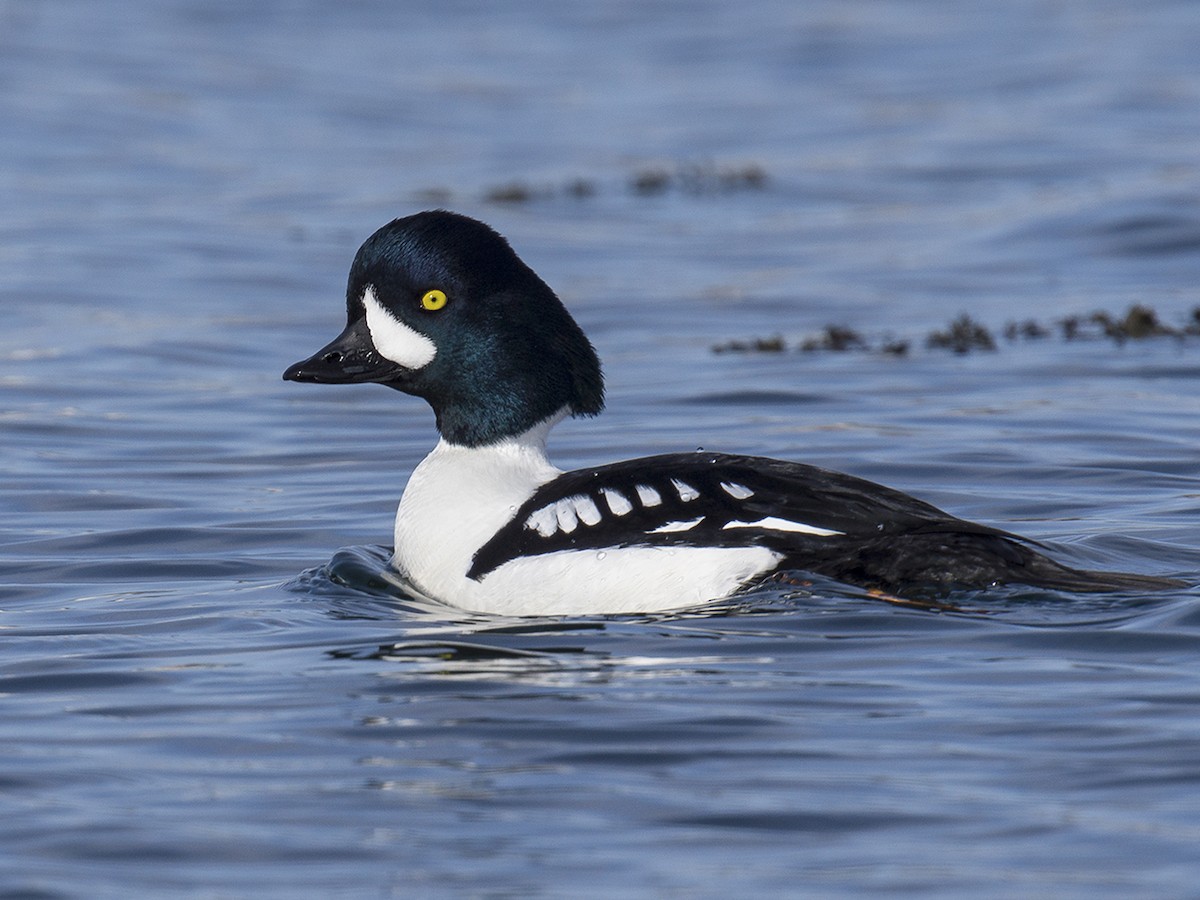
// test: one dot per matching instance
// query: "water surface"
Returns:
(209, 688)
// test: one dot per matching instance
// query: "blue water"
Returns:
(207, 688)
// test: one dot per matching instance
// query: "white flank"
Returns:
(776, 524)
(393, 339)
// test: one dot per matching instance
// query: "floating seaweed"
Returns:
(966, 335)
(773, 344)
(1138, 322)
(650, 181)
(962, 335)
(837, 338)
(523, 192)
(517, 192)
(698, 178)
(1028, 330)
(695, 179)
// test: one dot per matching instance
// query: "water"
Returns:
(204, 696)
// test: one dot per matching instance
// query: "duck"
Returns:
(440, 306)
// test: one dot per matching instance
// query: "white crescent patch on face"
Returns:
(393, 339)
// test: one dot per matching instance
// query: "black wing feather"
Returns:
(855, 508)
(884, 538)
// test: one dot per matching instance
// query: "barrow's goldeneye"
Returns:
(438, 305)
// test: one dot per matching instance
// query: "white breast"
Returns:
(455, 500)
(458, 497)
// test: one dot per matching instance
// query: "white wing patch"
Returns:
(586, 509)
(564, 511)
(686, 491)
(648, 496)
(617, 502)
(676, 526)
(736, 491)
(567, 514)
(393, 339)
(776, 524)
(544, 521)
(564, 515)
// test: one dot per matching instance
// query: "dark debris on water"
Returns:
(967, 335)
(694, 179)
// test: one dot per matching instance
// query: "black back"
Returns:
(879, 538)
(718, 489)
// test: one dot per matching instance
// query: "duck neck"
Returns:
(530, 442)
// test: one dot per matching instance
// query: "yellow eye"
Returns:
(433, 300)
